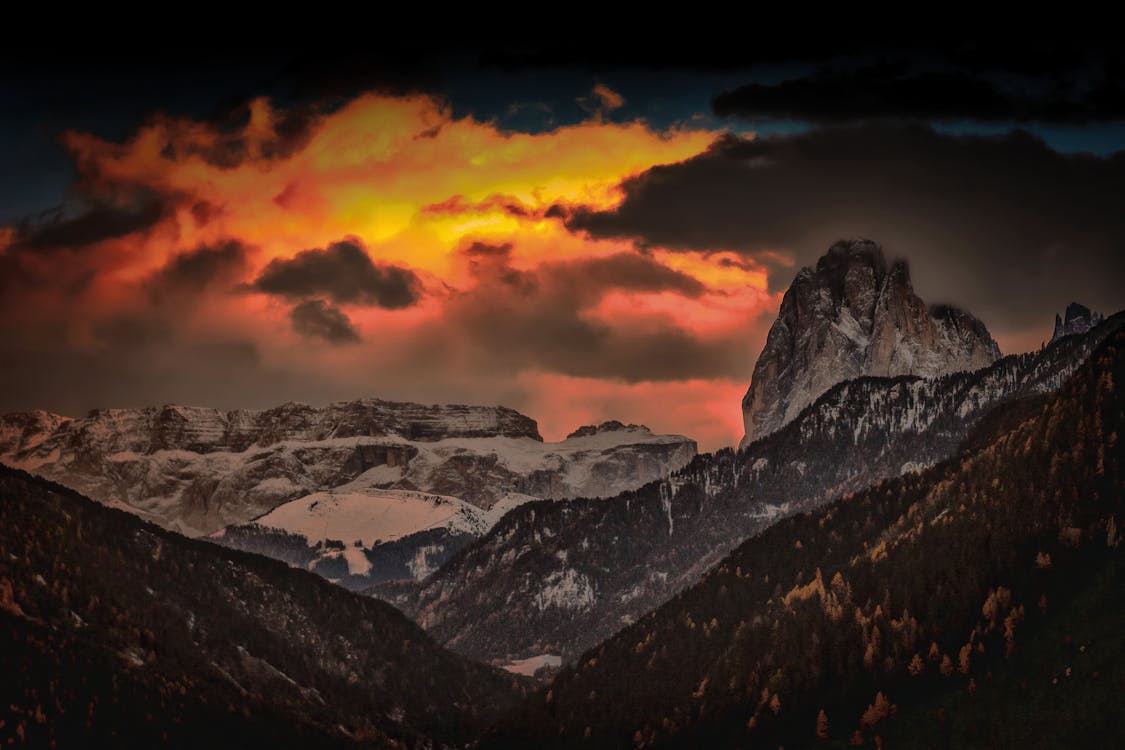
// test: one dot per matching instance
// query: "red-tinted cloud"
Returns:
(228, 265)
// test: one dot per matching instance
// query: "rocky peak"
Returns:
(610, 426)
(207, 430)
(1078, 319)
(854, 315)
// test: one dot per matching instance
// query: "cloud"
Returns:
(451, 253)
(930, 92)
(193, 271)
(602, 99)
(343, 272)
(550, 318)
(317, 319)
(1002, 225)
(246, 132)
(103, 219)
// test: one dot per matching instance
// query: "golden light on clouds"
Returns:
(426, 196)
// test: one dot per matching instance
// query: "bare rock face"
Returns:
(854, 315)
(1079, 319)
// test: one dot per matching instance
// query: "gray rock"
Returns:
(853, 316)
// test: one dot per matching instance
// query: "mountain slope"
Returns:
(116, 632)
(853, 315)
(558, 578)
(920, 593)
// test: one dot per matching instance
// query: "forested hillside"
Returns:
(116, 633)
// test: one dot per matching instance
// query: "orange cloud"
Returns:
(303, 231)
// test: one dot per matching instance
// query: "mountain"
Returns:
(117, 633)
(854, 315)
(365, 531)
(973, 604)
(197, 470)
(556, 578)
(1079, 319)
(420, 481)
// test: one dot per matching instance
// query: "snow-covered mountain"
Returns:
(854, 315)
(421, 480)
(1079, 319)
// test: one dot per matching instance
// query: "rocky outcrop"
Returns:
(1079, 319)
(854, 315)
(206, 430)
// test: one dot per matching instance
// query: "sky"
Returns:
(580, 236)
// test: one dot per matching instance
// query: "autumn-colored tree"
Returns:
(964, 658)
(822, 725)
(775, 704)
(946, 665)
(877, 711)
(935, 652)
(917, 666)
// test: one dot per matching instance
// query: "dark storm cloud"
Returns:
(292, 130)
(1022, 56)
(316, 319)
(343, 272)
(95, 223)
(512, 320)
(1002, 225)
(193, 271)
(902, 90)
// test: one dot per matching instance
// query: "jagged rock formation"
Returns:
(852, 316)
(1079, 319)
(555, 578)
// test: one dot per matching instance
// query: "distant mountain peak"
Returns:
(611, 425)
(1078, 319)
(854, 315)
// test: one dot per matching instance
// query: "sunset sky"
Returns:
(579, 239)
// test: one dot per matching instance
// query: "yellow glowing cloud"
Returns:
(416, 187)
(369, 170)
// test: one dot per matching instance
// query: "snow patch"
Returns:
(532, 664)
